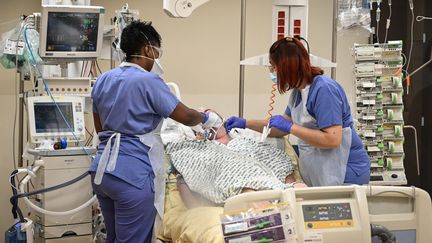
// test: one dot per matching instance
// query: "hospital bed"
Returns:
(200, 224)
(404, 211)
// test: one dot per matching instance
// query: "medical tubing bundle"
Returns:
(16, 211)
(24, 195)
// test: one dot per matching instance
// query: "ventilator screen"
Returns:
(48, 118)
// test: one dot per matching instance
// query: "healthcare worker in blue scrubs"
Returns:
(330, 151)
(129, 104)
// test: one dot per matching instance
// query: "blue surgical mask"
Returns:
(273, 77)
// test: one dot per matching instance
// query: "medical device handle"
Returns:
(416, 146)
(242, 201)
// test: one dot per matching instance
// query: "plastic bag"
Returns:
(8, 43)
(352, 13)
(123, 18)
(13, 48)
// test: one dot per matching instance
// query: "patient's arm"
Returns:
(258, 125)
(291, 180)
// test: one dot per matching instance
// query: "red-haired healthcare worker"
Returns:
(129, 104)
(318, 114)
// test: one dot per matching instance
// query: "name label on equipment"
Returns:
(11, 47)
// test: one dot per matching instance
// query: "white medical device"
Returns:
(49, 120)
(181, 8)
(348, 213)
(71, 32)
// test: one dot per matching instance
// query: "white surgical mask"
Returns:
(273, 77)
(156, 68)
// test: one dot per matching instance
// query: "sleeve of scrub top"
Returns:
(160, 98)
(325, 104)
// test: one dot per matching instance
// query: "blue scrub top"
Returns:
(328, 104)
(131, 101)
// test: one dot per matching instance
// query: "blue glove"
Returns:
(280, 123)
(235, 122)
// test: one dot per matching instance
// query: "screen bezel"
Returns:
(45, 54)
(78, 119)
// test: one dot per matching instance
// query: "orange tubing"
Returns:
(272, 101)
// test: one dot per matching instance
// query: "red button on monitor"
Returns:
(280, 37)
(297, 30)
(297, 22)
(281, 22)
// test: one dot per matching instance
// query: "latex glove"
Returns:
(211, 120)
(235, 122)
(280, 123)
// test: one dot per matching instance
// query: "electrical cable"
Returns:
(421, 18)
(97, 64)
(388, 20)
(16, 211)
(303, 39)
(412, 35)
(82, 69)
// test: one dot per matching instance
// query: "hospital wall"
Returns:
(201, 54)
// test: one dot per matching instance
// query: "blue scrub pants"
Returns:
(128, 211)
(351, 177)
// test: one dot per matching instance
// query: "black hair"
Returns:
(133, 37)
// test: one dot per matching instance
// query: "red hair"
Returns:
(292, 63)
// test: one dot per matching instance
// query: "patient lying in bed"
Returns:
(225, 167)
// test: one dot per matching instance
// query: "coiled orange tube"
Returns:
(272, 101)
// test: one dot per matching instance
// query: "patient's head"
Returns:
(218, 133)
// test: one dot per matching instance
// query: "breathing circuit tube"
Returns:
(24, 195)
(48, 189)
(383, 233)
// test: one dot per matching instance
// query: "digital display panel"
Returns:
(72, 32)
(49, 120)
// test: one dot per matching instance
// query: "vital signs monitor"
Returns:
(71, 31)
